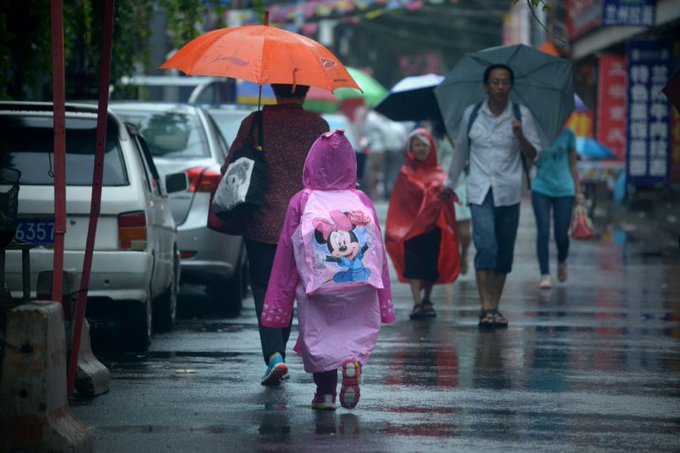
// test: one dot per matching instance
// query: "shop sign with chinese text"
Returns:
(611, 98)
(649, 69)
(628, 12)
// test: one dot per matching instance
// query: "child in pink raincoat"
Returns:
(336, 331)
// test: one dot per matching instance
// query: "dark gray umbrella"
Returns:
(543, 84)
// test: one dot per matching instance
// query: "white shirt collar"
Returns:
(508, 110)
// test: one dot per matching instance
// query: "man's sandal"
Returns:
(499, 320)
(486, 319)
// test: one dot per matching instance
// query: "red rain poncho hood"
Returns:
(416, 208)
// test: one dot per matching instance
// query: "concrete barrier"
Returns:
(93, 377)
(34, 410)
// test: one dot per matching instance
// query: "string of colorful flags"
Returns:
(304, 17)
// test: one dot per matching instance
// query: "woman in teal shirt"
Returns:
(555, 187)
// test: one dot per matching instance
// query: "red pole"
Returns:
(95, 202)
(58, 105)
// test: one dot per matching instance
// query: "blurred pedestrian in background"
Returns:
(555, 188)
(288, 133)
(383, 140)
(373, 142)
(463, 215)
(491, 137)
(395, 135)
(421, 227)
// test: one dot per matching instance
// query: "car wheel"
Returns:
(227, 297)
(138, 325)
(165, 307)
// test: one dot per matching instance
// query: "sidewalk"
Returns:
(650, 218)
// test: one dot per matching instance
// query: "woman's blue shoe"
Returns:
(276, 371)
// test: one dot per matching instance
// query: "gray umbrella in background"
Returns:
(543, 84)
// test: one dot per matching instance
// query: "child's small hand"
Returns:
(446, 193)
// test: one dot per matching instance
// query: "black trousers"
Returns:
(260, 262)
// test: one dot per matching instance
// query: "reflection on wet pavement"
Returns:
(593, 364)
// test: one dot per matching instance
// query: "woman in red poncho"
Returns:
(420, 229)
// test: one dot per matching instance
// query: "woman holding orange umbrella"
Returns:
(291, 63)
(288, 133)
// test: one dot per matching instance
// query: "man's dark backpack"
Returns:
(526, 165)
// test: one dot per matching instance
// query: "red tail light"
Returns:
(132, 230)
(186, 254)
(203, 179)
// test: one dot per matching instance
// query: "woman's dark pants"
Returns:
(260, 262)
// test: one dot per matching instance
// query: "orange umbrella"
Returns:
(264, 55)
(549, 48)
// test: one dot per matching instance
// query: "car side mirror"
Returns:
(176, 182)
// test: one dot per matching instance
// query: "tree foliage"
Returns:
(26, 52)
(25, 40)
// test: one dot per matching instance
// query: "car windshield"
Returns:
(170, 134)
(28, 145)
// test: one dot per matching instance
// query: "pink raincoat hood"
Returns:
(331, 163)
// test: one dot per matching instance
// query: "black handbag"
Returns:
(242, 187)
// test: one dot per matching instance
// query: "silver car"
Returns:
(183, 138)
(135, 267)
(228, 118)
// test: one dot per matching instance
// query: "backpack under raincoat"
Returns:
(337, 243)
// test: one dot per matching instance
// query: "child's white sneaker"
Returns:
(323, 402)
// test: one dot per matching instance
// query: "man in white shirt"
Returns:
(492, 144)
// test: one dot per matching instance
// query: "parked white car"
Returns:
(136, 266)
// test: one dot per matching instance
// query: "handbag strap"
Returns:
(257, 121)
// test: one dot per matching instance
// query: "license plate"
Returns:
(35, 231)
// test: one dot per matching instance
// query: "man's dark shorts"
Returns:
(494, 230)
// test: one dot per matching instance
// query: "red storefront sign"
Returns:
(611, 103)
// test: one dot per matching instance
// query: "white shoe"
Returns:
(562, 271)
(545, 282)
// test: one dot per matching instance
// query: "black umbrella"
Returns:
(412, 99)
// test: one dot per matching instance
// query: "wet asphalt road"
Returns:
(590, 365)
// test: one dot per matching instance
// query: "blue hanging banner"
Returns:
(648, 112)
(628, 12)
